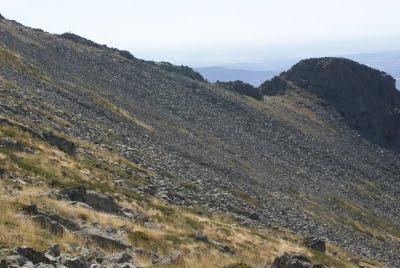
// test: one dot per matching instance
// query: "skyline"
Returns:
(206, 33)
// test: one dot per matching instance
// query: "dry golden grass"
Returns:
(173, 227)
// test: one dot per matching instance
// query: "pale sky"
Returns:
(216, 31)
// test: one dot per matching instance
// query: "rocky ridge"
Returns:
(367, 98)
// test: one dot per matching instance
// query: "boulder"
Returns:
(30, 209)
(17, 260)
(75, 193)
(49, 224)
(119, 260)
(76, 262)
(52, 222)
(201, 237)
(54, 250)
(315, 243)
(102, 202)
(294, 260)
(64, 145)
(33, 255)
(67, 223)
(171, 258)
(103, 239)
(95, 200)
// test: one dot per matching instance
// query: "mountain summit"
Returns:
(366, 97)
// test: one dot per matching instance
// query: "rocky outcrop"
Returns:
(241, 88)
(171, 258)
(103, 238)
(30, 257)
(95, 200)
(315, 243)
(366, 97)
(46, 223)
(294, 260)
(52, 222)
(61, 143)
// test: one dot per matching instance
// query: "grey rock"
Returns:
(49, 224)
(16, 260)
(119, 260)
(171, 258)
(95, 200)
(294, 260)
(76, 262)
(67, 223)
(103, 239)
(33, 255)
(201, 237)
(54, 250)
(315, 243)
(63, 144)
(30, 209)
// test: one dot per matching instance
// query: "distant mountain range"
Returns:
(257, 72)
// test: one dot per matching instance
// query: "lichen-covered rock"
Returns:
(63, 144)
(315, 243)
(75, 262)
(294, 260)
(33, 255)
(172, 258)
(102, 238)
(94, 199)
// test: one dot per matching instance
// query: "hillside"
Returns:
(154, 162)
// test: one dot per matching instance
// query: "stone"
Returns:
(226, 249)
(172, 258)
(16, 260)
(201, 237)
(102, 202)
(61, 143)
(315, 243)
(118, 258)
(49, 224)
(291, 261)
(31, 254)
(3, 264)
(76, 262)
(30, 209)
(294, 260)
(95, 200)
(54, 250)
(75, 193)
(67, 223)
(103, 239)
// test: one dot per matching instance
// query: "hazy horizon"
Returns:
(207, 33)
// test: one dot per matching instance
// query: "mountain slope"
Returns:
(289, 162)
